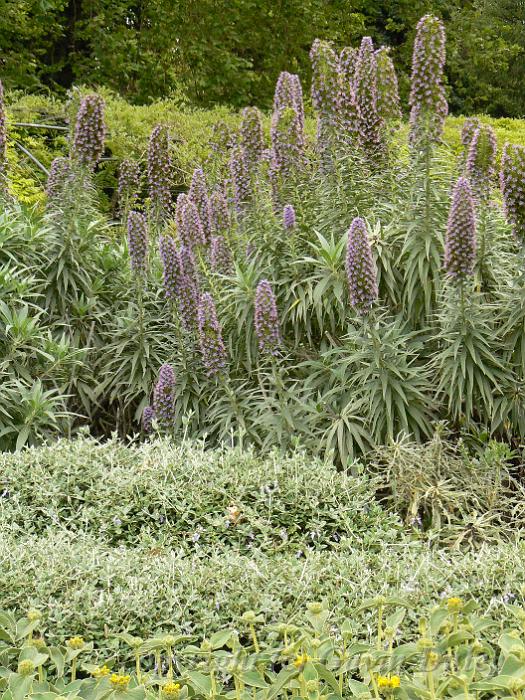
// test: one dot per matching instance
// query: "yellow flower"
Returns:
(454, 604)
(26, 667)
(75, 642)
(301, 660)
(101, 672)
(234, 514)
(387, 684)
(171, 691)
(34, 615)
(119, 682)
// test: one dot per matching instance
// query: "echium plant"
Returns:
(266, 318)
(512, 179)
(188, 292)
(469, 128)
(371, 126)
(325, 92)
(481, 161)
(170, 267)
(129, 182)
(60, 172)
(348, 116)
(361, 269)
(289, 217)
(460, 241)
(148, 416)
(289, 93)
(251, 135)
(198, 194)
(211, 344)
(287, 140)
(164, 398)
(188, 222)
(219, 212)
(220, 255)
(159, 171)
(428, 104)
(347, 63)
(3, 136)
(388, 105)
(90, 132)
(138, 242)
(241, 180)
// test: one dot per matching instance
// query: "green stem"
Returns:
(73, 669)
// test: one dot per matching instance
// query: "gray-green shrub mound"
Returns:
(187, 498)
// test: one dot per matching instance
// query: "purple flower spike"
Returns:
(220, 255)
(128, 184)
(241, 180)
(427, 96)
(164, 397)
(148, 416)
(325, 92)
(289, 93)
(170, 267)
(198, 194)
(371, 126)
(348, 127)
(212, 347)
(388, 105)
(90, 132)
(287, 140)
(188, 222)
(252, 139)
(267, 327)
(219, 212)
(470, 126)
(60, 173)
(481, 161)
(289, 217)
(512, 178)
(188, 289)
(138, 242)
(3, 132)
(360, 268)
(460, 242)
(159, 170)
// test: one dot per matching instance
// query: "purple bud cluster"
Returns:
(219, 212)
(347, 64)
(289, 217)
(360, 268)
(512, 179)
(164, 397)
(170, 267)
(287, 140)
(188, 222)
(90, 132)
(188, 288)
(267, 328)
(274, 178)
(3, 131)
(240, 179)
(371, 125)
(148, 415)
(138, 242)
(129, 181)
(325, 92)
(211, 344)
(427, 96)
(289, 93)
(251, 133)
(460, 241)
(220, 255)
(470, 126)
(388, 105)
(60, 172)
(198, 194)
(481, 161)
(348, 123)
(159, 169)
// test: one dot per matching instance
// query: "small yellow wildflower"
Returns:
(34, 615)
(301, 660)
(387, 684)
(39, 643)
(234, 514)
(26, 667)
(101, 671)
(454, 604)
(76, 643)
(171, 691)
(119, 682)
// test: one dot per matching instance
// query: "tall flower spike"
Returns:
(159, 170)
(211, 344)
(60, 173)
(470, 126)
(188, 222)
(128, 184)
(325, 92)
(90, 132)
(481, 161)
(289, 217)
(267, 327)
(289, 93)
(252, 138)
(371, 126)
(188, 288)
(219, 212)
(348, 127)
(148, 416)
(460, 242)
(287, 140)
(512, 179)
(428, 105)
(220, 255)
(388, 105)
(361, 269)
(138, 242)
(170, 267)
(240, 179)
(164, 397)
(198, 194)
(347, 63)
(3, 133)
